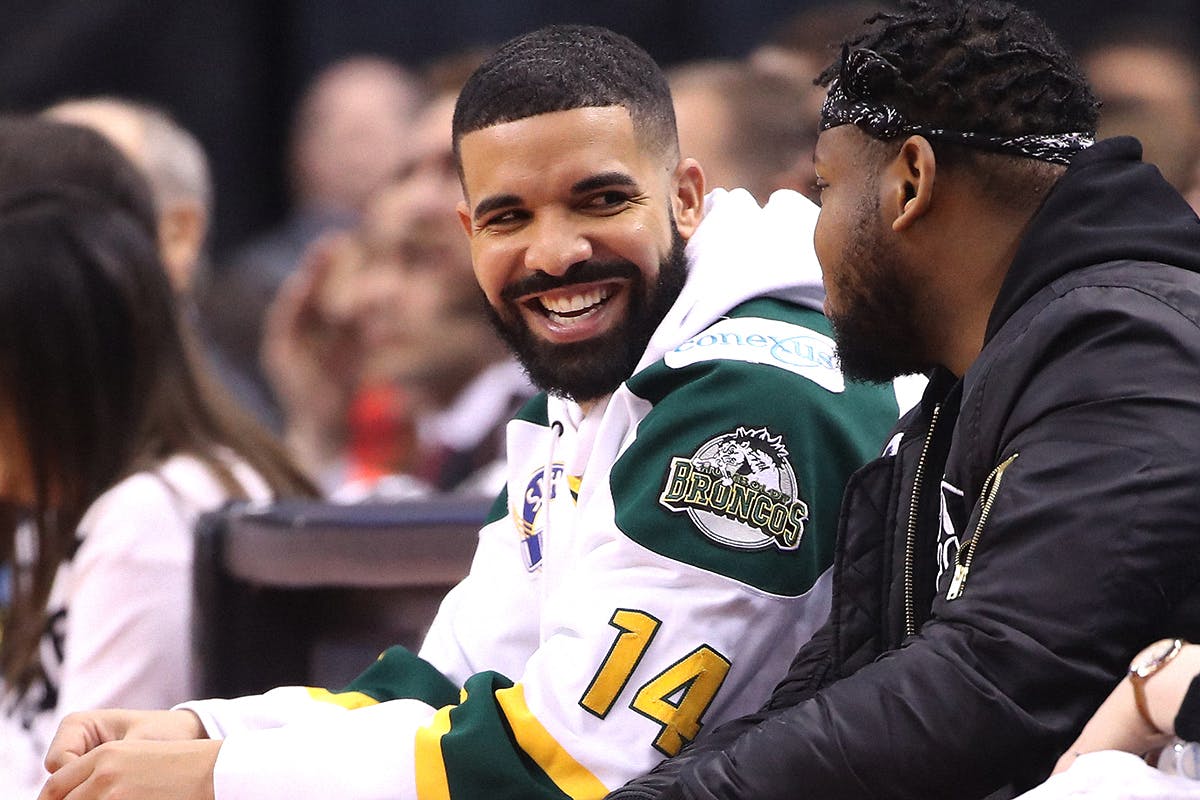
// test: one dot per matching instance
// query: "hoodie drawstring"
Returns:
(556, 428)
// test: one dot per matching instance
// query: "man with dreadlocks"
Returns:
(1033, 521)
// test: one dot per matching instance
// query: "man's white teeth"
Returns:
(571, 304)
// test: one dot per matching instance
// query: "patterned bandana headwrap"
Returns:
(849, 103)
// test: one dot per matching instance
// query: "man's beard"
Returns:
(877, 334)
(591, 369)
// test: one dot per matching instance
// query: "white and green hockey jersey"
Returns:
(649, 571)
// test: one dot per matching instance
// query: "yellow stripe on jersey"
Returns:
(349, 700)
(560, 766)
(432, 783)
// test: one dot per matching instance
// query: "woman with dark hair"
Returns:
(111, 445)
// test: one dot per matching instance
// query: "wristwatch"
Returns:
(1144, 665)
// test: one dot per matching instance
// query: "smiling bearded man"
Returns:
(662, 545)
(589, 369)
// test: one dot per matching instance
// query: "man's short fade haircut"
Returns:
(565, 67)
(981, 66)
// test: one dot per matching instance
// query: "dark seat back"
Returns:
(309, 593)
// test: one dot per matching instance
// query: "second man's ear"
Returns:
(912, 173)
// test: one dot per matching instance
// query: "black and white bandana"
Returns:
(848, 103)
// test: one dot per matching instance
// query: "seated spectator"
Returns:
(748, 129)
(112, 445)
(797, 51)
(1147, 78)
(392, 379)
(174, 164)
(348, 138)
(800, 46)
(176, 167)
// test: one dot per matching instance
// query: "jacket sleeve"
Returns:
(1081, 556)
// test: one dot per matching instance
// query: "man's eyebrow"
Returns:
(613, 178)
(495, 201)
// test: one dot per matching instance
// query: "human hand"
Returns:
(311, 352)
(84, 731)
(1117, 724)
(137, 770)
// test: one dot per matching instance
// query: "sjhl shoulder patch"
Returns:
(531, 523)
(740, 490)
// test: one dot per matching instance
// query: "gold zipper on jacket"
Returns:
(966, 553)
(910, 539)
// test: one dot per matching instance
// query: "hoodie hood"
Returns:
(1108, 206)
(742, 251)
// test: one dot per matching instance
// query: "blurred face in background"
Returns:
(1152, 93)
(408, 282)
(429, 161)
(350, 136)
(419, 309)
(706, 126)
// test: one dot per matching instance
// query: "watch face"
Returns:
(1153, 657)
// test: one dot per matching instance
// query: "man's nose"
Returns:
(556, 244)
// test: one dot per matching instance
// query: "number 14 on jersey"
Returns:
(675, 698)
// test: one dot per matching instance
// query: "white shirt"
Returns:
(120, 611)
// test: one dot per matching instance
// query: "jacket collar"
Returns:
(1108, 206)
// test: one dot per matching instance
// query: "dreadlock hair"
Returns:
(564, 67)
(978, 65)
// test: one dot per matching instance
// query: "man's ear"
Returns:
(181, 231)
(688, 200)
(908, 195)
(464, 217)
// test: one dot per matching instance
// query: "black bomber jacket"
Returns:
(1026, 531)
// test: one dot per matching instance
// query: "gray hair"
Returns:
(172, 158)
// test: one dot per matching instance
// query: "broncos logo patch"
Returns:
(739, 490)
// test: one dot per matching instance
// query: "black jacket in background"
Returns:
(1062, 476)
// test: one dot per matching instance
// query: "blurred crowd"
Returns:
(354, 329)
